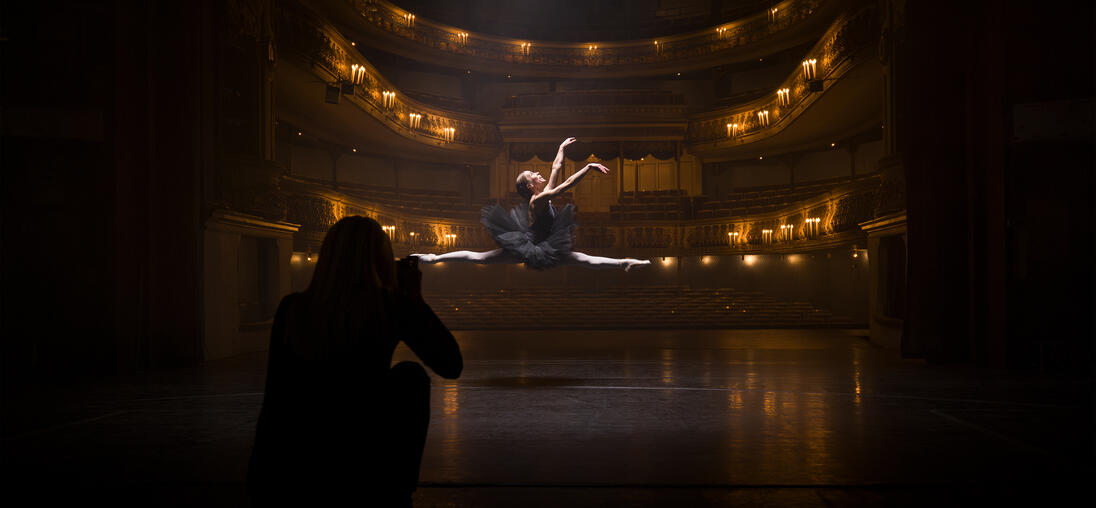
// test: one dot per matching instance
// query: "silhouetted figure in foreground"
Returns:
(337, 424)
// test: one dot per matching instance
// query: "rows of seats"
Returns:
(651, 205)
(669, 307)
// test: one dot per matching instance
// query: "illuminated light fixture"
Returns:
(413, 120)
(749, 260)
(772, 14)
(299, 133)
(449, 134)
(705, 259)
(812, 224)
(721, 32)
(760, 157)
(667, 261)
(785, 96)
(388, 99)
(355, 150)
(389, 230)
(462, 38)
(810, 74)
(591, 47)
(732, 237)
(832, 145)
(763, 118)
(766, 235)
(526, 47)
(410, 19)
(786, 231)
(357, 74)
(732, 130)
(679, 74)
(352, 43)
(658, 48)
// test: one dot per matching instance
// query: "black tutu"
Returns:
(538, 251)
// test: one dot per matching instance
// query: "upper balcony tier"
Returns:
(384, 25)
(831, 94)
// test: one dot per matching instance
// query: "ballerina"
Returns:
(535, 233)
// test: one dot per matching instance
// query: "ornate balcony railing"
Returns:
(391, 19)
(311, 38)
(828, 61)
(307, 36)
(823, 221)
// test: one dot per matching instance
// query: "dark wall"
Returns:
(999, 213)
(101, 185)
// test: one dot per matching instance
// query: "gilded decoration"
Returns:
(832, 54)
(314, 40)
(387, 17)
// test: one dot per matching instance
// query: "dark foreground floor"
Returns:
(598, 418)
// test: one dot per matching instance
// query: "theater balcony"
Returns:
(770, 28)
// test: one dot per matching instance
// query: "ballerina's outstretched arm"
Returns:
(557, 165)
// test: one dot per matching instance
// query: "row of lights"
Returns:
(786, 231)
(783, 96)
(462, 37)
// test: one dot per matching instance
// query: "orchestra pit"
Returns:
(869, 225)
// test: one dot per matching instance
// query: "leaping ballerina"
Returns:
(535, 233)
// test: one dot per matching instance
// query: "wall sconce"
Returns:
(772, 14)
(812, 225)
(388, 99)
(390, 231)
(449, 134)
(766, 236)
(413, 120)
(591, 47)
(784, 95)
(786, 232)
(732, 238)
(732, 130)
(658, 48)
(357, 74)
(763, 118)
(410, 19)
(721, 32)
(810, 69)
(462, 38)
(526, 47)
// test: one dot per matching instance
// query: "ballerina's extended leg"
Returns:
(599, 262)
(491, 257)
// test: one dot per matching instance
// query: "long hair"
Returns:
(355, 267)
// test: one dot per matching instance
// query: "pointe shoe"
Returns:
(629, 263)
(426, 258)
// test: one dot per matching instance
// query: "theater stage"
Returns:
(590, 418)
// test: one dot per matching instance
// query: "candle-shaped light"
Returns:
(784, 95)
(732, 130)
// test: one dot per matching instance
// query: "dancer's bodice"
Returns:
(541, 225)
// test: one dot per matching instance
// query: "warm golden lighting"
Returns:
(750, 260)
(810, 69)
(462, 38)
(413, 120)
(526, 47)
(357, 74)
(658, 48)
(705, 260)
(772, 14)
(355, 150)
(667, 261)
(763, 118)
(410, 19)
(591, 47)
(388, 99)
(299, 133)
(449, 134)
(721, 32)
(732, 130)
(784, 95)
